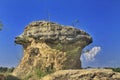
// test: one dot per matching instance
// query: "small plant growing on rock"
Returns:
(28, 77)
(41, 73)
(59, 47)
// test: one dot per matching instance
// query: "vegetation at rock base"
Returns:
(41, 74)
(114, 69)
(38, 73)
(6, 69)
(28, 77)
(6, 72)
(10, 77)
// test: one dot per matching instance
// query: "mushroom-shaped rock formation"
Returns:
(50, 46)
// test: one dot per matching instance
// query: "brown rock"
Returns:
(84, 74)
(49, 47)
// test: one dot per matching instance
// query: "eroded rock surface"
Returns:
(87, 74)
(50, 46)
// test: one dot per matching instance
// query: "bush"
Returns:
(41, 73)
(10, 69)
(6, 69)
(3, 69)
(10, 77)
(28, 77)
(114, 69)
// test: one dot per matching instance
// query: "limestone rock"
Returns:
(50, 47)
(87, 74)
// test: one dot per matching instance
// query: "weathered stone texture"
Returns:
(50, 47)
(85, 74)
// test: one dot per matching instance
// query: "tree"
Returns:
(1, 25)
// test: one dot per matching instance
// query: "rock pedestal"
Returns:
(50, 46)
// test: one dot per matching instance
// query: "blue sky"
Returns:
(100, 18)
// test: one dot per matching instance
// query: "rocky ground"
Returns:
(85, 74)
(81, 74)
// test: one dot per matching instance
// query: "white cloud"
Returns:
(90, 54)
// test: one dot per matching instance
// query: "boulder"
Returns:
(49, 46)
(84, 74)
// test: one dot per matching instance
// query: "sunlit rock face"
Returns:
(50, 46)
(84, 74)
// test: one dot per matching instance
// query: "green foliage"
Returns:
(41, 73)
(73, 51)
(37, 74)
(114, 69)
(1, 25)
(28, 77)
(10, 69)
(6, 69)
(10, 77)
(59, 47)
(3, 69)
(0, 28)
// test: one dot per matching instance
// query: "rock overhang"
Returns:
(51, 32)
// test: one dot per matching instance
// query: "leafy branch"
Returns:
(1, 25)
